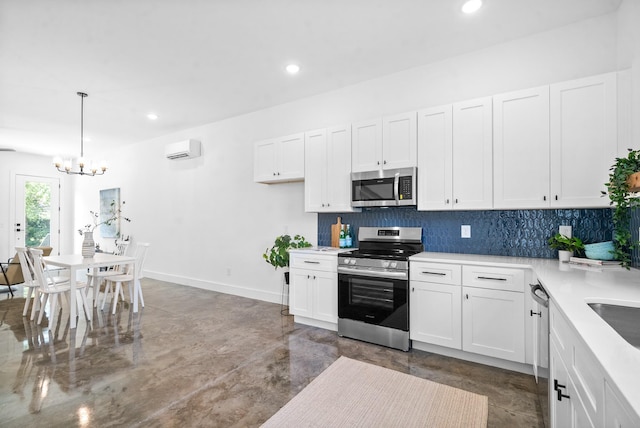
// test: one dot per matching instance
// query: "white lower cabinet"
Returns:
(580, 393)
(435, 314)
(313, 289)
(493, 323)
(477, 309)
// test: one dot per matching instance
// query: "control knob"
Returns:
(385, 264)
(353, 261)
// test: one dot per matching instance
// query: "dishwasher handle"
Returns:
(539, 294)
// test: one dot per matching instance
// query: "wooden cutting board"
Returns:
(335, 233)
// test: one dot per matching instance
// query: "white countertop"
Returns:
(321, 250)
(571, 287)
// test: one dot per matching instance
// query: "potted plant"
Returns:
(619, 189)
(278, 254)
(566, 246)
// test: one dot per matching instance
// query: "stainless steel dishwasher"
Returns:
(541, 346)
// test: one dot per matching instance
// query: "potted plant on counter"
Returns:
(278, 254)
(621, 189)
(566, 246)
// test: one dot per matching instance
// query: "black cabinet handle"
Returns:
(492, 279)
(433, 273)
(535, 313)
(558, 388)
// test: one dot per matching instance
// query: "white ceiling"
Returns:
(199, 61)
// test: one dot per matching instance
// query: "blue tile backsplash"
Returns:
(519, 233)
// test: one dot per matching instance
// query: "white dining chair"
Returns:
(127, 279)
(97, 280)
(29, 282)
(48, 288)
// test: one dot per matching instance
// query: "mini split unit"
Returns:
(183, 149)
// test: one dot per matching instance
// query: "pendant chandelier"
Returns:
(67, 165)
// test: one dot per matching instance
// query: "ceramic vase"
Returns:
(88, 245)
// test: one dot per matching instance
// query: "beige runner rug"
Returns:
(351, 393)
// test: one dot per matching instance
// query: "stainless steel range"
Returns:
(373, 286)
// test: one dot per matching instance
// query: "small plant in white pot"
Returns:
(566, 246)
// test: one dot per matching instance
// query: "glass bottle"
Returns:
(348, 240)
(342, 241)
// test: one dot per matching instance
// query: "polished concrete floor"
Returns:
(198, 358)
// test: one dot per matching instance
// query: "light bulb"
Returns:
(471, 6)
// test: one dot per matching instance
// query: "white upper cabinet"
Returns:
(315, 167)
(399, 141)
(385, 143)
(455, 156)
(366, 145)
(472, 154)
(435, 158)
(327, 186)
(279, 159)
(583, 140)
(521, 149)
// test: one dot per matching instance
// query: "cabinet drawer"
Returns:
(494, 278)
(440, 273)
(316, 262)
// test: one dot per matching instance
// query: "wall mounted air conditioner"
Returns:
(183, 149)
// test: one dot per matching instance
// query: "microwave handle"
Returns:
(396, 188)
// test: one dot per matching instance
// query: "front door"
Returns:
(37, 212)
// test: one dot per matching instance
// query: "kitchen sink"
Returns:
(625, 320)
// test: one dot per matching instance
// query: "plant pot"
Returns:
(564, 256)
(634, 182)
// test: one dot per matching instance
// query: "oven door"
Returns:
(379, 298)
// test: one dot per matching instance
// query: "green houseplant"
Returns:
(569, 245)
(278, 254)
(622, 200)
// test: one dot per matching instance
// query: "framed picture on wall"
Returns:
(107, 197)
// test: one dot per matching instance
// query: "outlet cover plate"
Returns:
(465, 231)
(566, 231)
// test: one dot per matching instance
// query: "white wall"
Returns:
(209, 223)
(629, 58)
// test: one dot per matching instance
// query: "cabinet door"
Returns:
(300, 293)
(435, 127)
(339, 169)
(617, 413)
(521, 149)
(435, 314)
(264, 161)
(291, 157)
(325, 296)
(472, 154)
(399, 141)
(315, 166)
(559, 410)
(366, 145)
(583, 140)
(493, 323)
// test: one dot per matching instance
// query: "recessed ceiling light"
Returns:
(471, 6)
(152, 116)
(293, 68)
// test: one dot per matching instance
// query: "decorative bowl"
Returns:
(600, 250)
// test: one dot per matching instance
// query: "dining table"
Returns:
(76, 263)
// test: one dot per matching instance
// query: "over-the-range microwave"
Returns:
(384, 188)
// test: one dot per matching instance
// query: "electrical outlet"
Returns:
(465, 231)
(566, 231)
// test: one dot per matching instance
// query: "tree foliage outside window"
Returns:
(37, 213)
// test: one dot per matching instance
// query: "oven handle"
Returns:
(374, 274)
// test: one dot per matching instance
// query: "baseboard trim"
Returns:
(474, 358)
(251, 293)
